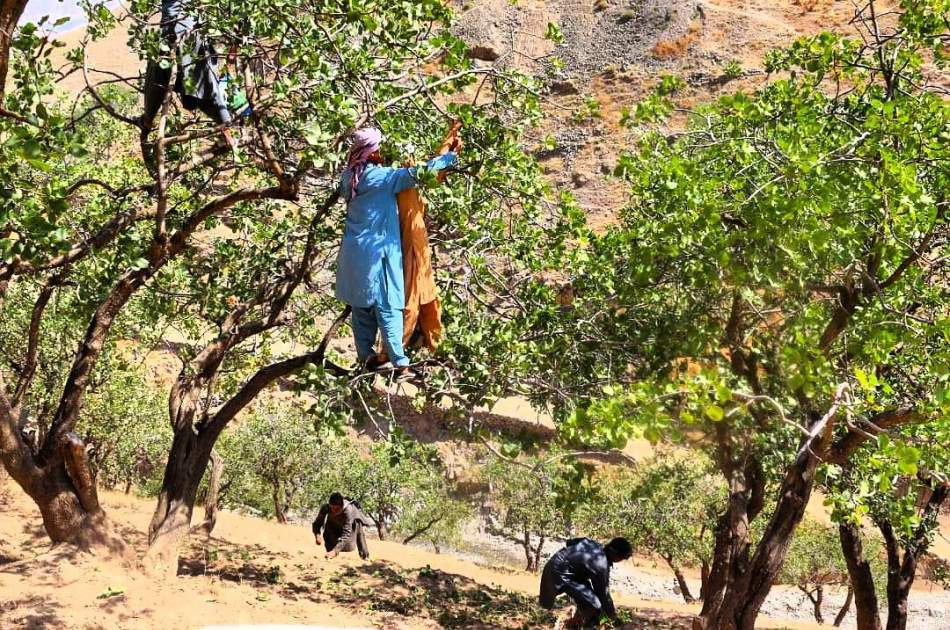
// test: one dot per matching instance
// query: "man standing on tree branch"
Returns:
(370, 269)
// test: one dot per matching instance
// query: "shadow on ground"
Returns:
(32, 613)
(390, 593)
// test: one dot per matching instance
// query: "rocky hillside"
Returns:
(598, 35)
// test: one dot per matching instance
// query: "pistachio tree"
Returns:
(400, 484)
(898, 485)
(667, 506)
(783, 244)
(537, 499)
(217, 243)
(276, 446)
(815, 563)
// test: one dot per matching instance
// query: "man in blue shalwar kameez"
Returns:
(369, 271)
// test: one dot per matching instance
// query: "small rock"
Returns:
(564, 88)
(483, 53)
(580, 180)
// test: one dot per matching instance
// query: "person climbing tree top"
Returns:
(197, 81)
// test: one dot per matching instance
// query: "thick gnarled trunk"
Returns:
(738, 583)
(731, 552)
(171, 521)
(187, 461)
(860, 576)
(67, 519)
(63, 490)
(195, 434)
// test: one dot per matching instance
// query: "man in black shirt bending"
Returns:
(582, 571)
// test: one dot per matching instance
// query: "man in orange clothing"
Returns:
(422, 307)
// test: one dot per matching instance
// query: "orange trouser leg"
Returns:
(410, 316)
(430, 319)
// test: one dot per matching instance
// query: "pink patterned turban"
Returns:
(366, 141)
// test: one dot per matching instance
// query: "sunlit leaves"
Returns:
(637, 505)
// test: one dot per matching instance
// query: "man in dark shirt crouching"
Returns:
(342, 523)
(582, 571)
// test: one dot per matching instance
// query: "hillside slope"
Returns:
(237, 580)
(260, 572)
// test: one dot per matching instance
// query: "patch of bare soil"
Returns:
(259, 572)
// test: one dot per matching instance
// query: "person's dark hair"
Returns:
(620, 548)
(336, 499)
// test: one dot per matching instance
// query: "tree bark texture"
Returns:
(195, 434)
(214, 495)
(10, 12)
(680, 580)
(278, 502)
(859, 574)
(740, 580)
(901, 571)
(816, 599)
(839, 618)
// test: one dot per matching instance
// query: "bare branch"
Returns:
(267, 375)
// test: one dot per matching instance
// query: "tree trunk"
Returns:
(214, 495)
(739, 585)
(703, 579)
(902, 571)
(861, 579)
(816, 600)
(731, 550)
(526, 544)
(10, 12)
(192, 445)
(537, 553)
(64, 492)
(839, 618)
(187, 461)
(278, 503)
(898, 584)
(681, 580)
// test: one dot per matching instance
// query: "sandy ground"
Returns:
(49, 588)
(259, 572)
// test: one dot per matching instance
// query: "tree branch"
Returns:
(267, 375)
(845, 446)
(33, 339)
(160, 252)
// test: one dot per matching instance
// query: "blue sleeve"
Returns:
(405, 178)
